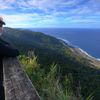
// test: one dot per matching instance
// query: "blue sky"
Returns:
(51, 13)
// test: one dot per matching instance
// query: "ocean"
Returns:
(86, 39)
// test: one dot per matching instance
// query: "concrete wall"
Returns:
(17, 85)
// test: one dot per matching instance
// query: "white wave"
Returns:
(85, 53)
(69, 43)
(75, 46)
(98, 59)
(65, 40)
(88, 54)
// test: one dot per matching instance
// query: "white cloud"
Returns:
(52, 5)
(5, 4)
(40, 4)
(85, 21)
(53, 10)
(27, 20)
(19, 19)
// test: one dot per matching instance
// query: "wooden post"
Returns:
(16, 82)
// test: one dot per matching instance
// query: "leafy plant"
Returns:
(48, 84)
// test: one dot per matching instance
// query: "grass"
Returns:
(48, 84)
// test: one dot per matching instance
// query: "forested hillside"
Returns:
(70, 60)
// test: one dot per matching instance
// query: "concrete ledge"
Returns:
(17, 85)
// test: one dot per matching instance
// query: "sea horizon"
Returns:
(85, 38)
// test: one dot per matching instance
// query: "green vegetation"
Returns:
(48, 84)
(49, 50)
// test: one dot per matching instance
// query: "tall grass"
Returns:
(48, 84)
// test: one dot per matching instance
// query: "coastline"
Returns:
(72, 45)
(83, 51)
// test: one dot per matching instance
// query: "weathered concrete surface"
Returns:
(17, 84)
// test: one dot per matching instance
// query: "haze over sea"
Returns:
(86, 39)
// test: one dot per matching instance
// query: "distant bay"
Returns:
(86, 39)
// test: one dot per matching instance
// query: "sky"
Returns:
(51, 13)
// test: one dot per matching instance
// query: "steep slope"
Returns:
(85, 69)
